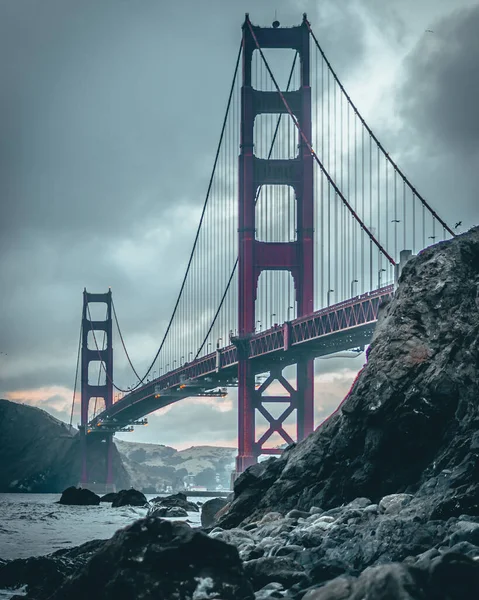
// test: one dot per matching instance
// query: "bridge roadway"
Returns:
(338, 327)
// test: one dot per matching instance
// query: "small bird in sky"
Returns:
(429, 31)
(458, 224)
(432, 237)
(395, 221)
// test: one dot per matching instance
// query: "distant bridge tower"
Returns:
(90, 475)
(256, 256)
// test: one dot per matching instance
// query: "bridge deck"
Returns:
(338, 327)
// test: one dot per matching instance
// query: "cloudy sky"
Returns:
(110, 112)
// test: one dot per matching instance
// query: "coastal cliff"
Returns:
(40, 454)
(410, 422)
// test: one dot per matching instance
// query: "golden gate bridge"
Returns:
(305, 226)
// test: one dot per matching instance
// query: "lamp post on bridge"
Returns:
(352, 287)
(329, 296)
(258, 321)
(220, 339)
(272, 315)
(290, 308)
(380, 273)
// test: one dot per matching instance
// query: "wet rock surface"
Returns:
(129, 498)
(155, 558)
(45, 574)
(301, 550)
(167, 511)
(179, 500)
(79, 496)
(40, 454)
(109, 497)
(210, 509)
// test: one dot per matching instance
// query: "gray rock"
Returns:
(297, 514)
(129, 498)
(168, 512)
(394, 503)
(79, 496)
(465, 531)
(209, 510)
(270, 590)
(285, 571)
(179, 500)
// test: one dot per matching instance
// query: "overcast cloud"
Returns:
(110, 111)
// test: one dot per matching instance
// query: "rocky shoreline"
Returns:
(380, 502)
(395, 549)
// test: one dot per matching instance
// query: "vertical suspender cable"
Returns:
(76, 373)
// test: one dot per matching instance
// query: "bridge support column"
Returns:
(305, 413)
(255, 256)
(246, 411)
(92, 351)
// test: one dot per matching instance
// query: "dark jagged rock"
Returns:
(410, 421)
(155, 559)
(129, 498)
(41, 454)
(209, 510)
(168, 511)
(79, 496)
(180, 500)
(448, 577)
(44, 574)
(109, 497)
(346, 540)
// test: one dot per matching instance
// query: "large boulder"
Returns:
(210, 509)
(129, 498)
(109, 497)
(79, 496)
(155, 559)
(40, 454)
(409, 423)
(179, 500)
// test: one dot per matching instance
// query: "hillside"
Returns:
(155, 467)
(39, 453)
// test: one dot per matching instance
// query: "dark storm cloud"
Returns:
(437, 102)
(109, 118)
(441, 92)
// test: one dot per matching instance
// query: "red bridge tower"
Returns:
(256, 256)
(90, 475)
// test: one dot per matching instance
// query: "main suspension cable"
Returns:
(76, 374)
(99, 355)
(122, 341)
(142, 380)
(368, 129)
(270, 152)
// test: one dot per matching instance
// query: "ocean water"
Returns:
(34, 525)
